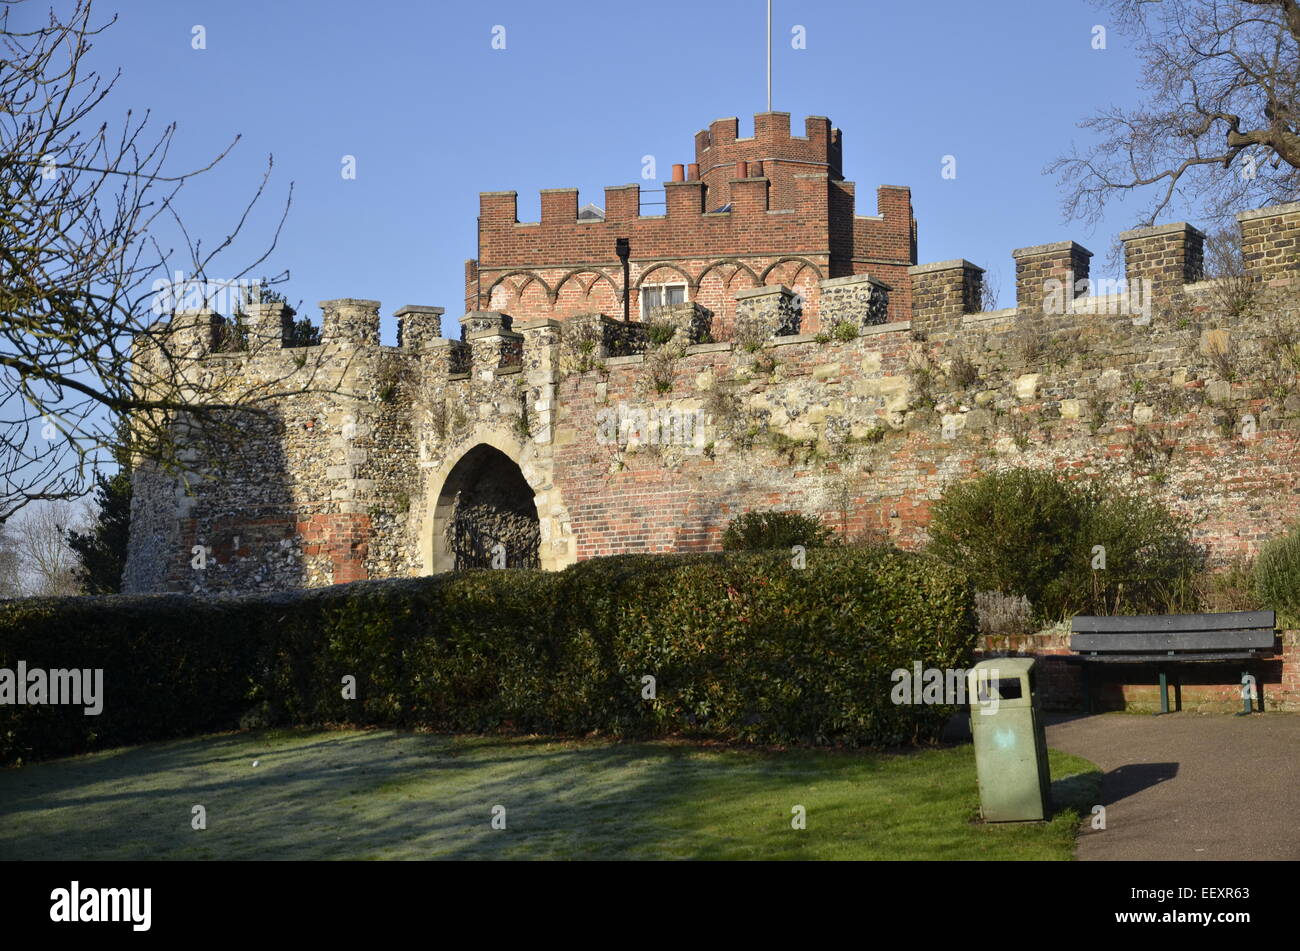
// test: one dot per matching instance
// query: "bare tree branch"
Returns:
(83, 340)
(1218, 131)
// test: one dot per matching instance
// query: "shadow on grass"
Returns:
(384, 794)
(1078, 792)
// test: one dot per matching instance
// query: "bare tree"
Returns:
(990, 290)
(10, 582)
(45, 565)
(82, 342)
(1220, 125)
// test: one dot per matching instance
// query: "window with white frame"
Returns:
(654, 296)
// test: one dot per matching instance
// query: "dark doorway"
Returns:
(487, 509)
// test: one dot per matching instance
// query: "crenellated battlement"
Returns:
(1161, 264)
(687, 201)
(769, 208)
(771, 153)
(813, 361)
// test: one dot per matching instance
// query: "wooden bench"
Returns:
(1169, 639)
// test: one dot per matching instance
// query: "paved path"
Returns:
(1190, 786)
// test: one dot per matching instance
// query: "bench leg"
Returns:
(1164, 691)
(1247, 707)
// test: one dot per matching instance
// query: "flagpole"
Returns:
(769, 55)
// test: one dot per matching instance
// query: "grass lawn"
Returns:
(394, 795)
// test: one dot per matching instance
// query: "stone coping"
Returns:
(624, 361)
(353, 301)
(852, 279)
(710, 347)
(791, 338)
(763, 291)
(1084, 304)
(944, 266)
(872, 329)
(484, 334)
(1155, 231)
(1049, 248)
(511, 368)
(987, 315)
(1272, 211)
(418, 309)
(539, 323)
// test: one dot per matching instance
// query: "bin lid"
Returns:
(1007, 666)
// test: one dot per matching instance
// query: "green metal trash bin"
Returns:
(1010, 745)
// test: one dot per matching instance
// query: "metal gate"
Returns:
(473, 546)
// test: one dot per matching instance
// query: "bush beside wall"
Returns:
(1038, 534)
(741, 646)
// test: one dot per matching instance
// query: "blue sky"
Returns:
(584, 88)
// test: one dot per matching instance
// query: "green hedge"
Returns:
(741, 646)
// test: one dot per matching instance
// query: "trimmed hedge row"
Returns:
(740, 646)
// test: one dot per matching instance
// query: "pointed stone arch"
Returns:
(691, 282)
(592, 299)
(518, 287)
(598, 275)
(732, 262)
(503, 457)
(786, 260)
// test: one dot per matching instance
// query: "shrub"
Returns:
(1276, 577)
(1013, 532)
(758, 531)
(1231, 588)
(660, 332)
(1032, 533)
(963, 372)
(844, 331)
(740, 646)
(302, 333)
(1151, 563)
(231, 335)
